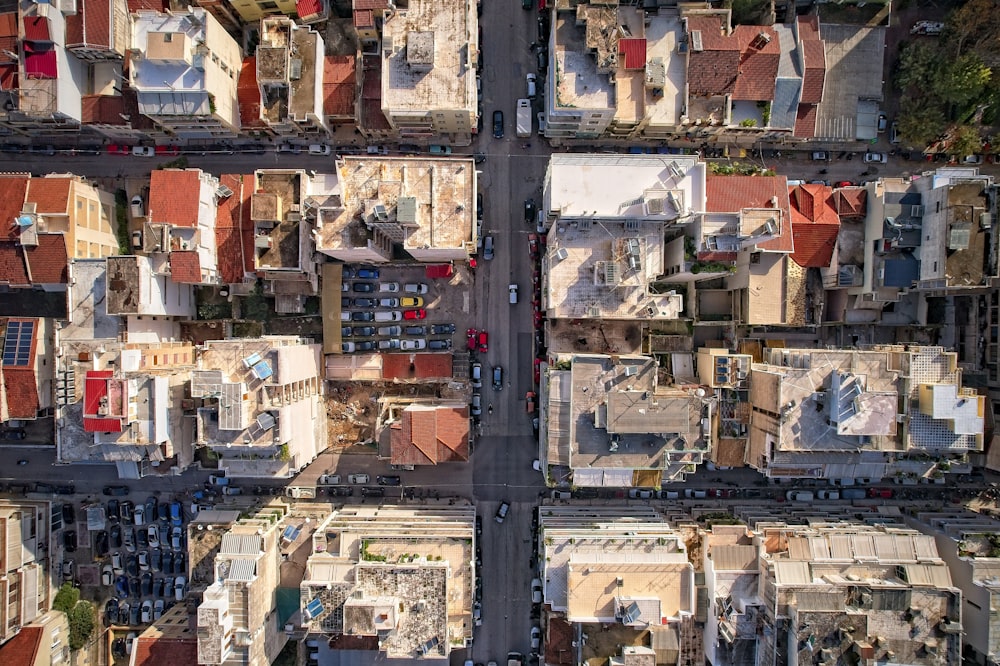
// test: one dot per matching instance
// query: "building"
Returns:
(624, 568)
(149, 300)
(340, 90)
(967, 542)
(606, 421)
(25, 568)
(99, 31)
(732, 583)
(234, 234)
(392, 579)
(422, 433)
(834, 590)
(374, 208)
(290, 67)
(843, 415)
(44, 642)
(179, 229)
(235, 15)
(430, 55)
(727, 374)
(235, 618)
(617, 239)
(168, 640)
(68, 204)
(261, 404)
(184, 68)
(27, 378)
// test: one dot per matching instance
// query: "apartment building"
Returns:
(727, 375)
(430, 55)
(289, 73)
(392, 579)
(843, 415)
(374, 207)
(623, 569)
(607, 421)
(25, 372)
(26, 580)
(184, 69)
(148, 300)
(260, 404)
(70, 205)
(236, 618)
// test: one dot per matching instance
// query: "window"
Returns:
(268, 5)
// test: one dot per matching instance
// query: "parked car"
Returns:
(368, 273)
(536, 591)
(328, 479)
(363, 287)
(364, 302)
(415, 288)
(476, 406)
(358, 478)
(388, 480)
(497, 378)
(820, 156)
(176, 538)
(101, 543)
(362, 316)
(483, 340)
(319, 149)
(415, 330)
(442, 329)
(439, 344)
(411, 302)
(390, 330)
(476, 375)
(498, 124)
(413, 344)
(118, 491)
(875, 158)
(502, 511)
(69, 541)
(415, 314)
(143, 151)
(385, 345)
(389, 287)
(531, 80)
(529, 402)
(391, 315)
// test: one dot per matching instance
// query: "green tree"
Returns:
(81, 624)
(962, 80)
(917, 64)
(974, 27)
(919, 124)
(66, 598)
(966, 141)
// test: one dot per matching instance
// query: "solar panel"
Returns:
(17, 343)
(314, 608)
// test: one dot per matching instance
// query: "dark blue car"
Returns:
(368, 273)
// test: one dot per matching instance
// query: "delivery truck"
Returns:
(523, 118)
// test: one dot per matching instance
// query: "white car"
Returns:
(107, 575)
(179, 588)
(531, 80)
(875, 158)
(388, 302)
(143, 151)
(116, 564)
(389, 287)
(154, 536)
(176, 538)
(390, 315)
(329, 479)
(147, 611)
(415, 288)
(143, 560)
(477, 375)
(139, 515)
(358, 478)
(413, 344)
(512, 289)
(536, 638)
(158, 607)
(637, 493)
(319, 149)
(536, 591)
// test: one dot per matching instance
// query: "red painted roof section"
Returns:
(815, 225)
(13, 269)
(40, 62)
(634, 52)
(21, 382)
(153, 5)
(185, 267)
(234, 229)
(153, 651)
(22, 650)
(416, 366)
(91, 26)
(731, 194)
(805, 121)
(339, 85)
(307, 9)
(14, 189)
(8, 35)
(100, 388)
(36, 29)
(50, 195)
(248, 94)
(372, 117)
(173, 197)
(735, 64)
(48, 262)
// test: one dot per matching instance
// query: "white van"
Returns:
(513, 293)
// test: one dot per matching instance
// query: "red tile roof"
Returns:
(234, 229)
(339, 85)
(814, 53)
(372, 117)
(741, 63)
(307, 9)
(103, 393)
(8, 76)
(153, 651)
(50, 195)
(416, 366)
(185, 267)
(428, 435)
(731, 194)
(13, 269)
(174, 196)
(22, 650)
(153, 5)
(90, 26)
(8, 35)
(634, 52)
(48, 262)
(103, 110)
(805, 121)
(371, 4)
(21, 382)
(36, 29)
(364, 18)
(248, 94)
(815, 225)
(851, 202)
(14, 189)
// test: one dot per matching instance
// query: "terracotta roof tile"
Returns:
(174, 196)
(14, 189)
(22, 650)
(812, 82)
(152, 5)
(248, 94)
(559, 642)
(634, 51)
(372, 117)
(371, 4)
(758, 62)
(851, 202)
(13, 269)
(21, 388)
(738, 64)
(307, 9)
(808, 26)
(103, 110)
(90, 26)
(185, 267)
(36, 29)
(155, 651)
(428, 435)
(731, 194)
(416, 366)
(48, 261)
(50, 195)
(339, 85)
(364, 18)
(234, 229)
(815, 225)
(805, 121)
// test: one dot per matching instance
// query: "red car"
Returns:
(883, 493)
(415, 314)
(533, 244)
(538, 370)
(483, 341)
(168, 150)
(115, 149)
(471, 334)
(529, 401)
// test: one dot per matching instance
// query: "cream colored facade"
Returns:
(86, 216)
(24, 564)
(254, 10)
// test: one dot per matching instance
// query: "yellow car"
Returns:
(411, 302)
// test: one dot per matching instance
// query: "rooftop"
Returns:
(581, 84)
(428, 434)
(419, 203)
(853, 82)
(287, 69)
(166, 79)
(275, 211)
(426, 64)
(815, 225)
